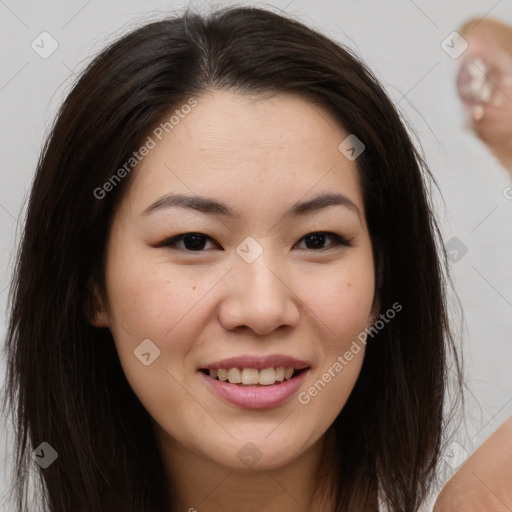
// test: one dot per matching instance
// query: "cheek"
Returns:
(150, 297)
(343, 305)
(343, 299)
(148, 303)
(167, 304)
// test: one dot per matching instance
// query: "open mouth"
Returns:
(253, 376)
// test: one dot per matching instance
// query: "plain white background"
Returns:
(401, 42)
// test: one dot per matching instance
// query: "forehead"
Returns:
(230, 144)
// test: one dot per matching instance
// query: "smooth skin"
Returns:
(259, 155)
(484, 482)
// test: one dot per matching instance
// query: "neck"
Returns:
(198, 483)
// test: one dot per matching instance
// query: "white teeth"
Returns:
(267, 377)
(252, 376)
(234, 376)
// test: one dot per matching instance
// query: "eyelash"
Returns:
(339, 240)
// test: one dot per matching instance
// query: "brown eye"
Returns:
(191, 242)
(315, 241)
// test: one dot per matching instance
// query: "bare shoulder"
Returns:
(484, 481)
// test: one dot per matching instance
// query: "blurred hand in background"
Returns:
(484, 84)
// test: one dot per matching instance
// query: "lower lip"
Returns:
(256, 397)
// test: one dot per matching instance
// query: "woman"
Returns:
(229, 293)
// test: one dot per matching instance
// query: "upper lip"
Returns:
(258, 362)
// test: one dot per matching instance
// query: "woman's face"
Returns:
(259, 285)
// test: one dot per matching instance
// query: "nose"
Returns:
(260, 296)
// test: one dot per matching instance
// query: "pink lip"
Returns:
(255, 397)
(258, 362)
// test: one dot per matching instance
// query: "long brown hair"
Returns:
(65, 385)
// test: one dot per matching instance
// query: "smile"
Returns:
(253, 376)
(255, 381)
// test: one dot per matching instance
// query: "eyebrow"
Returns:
(210, 206)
